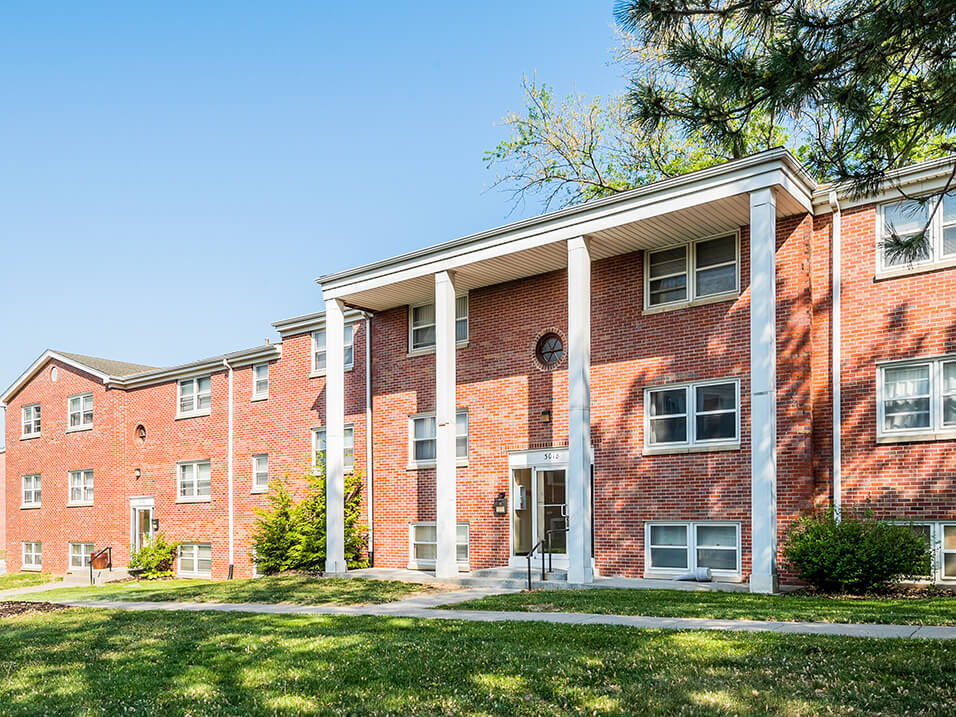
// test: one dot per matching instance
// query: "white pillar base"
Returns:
(763, 583)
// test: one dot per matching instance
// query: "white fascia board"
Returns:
(35, 369)
(587, 219)
(267, 352)
(923, 178)
(312, 322)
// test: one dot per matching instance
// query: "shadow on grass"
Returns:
(110, 662)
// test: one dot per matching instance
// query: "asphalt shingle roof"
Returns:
(108, 366)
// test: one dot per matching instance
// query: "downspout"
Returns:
(229, 462)
(837, 241)
(368, 439)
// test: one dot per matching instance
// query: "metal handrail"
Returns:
(109, 551)
(529, 554)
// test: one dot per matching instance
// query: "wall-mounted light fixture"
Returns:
(546, 416)
(501, 504)
(138, 473)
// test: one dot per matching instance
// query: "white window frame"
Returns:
(30, 416)
(79, 550)
(692, 298)
(256, 572)
(34, 549)
(81, 480)
(425, 564)
(35, 491)
(257, 473)
(197, 395)
(194, 496)
(258, 392)
(937, 395)
(349, 457)
(691, 527)
(195, 572)
(349, 344)
(692, 443)
(459, 460)
(935, 232)
(937, 532)
(460, 300)
(80, 412)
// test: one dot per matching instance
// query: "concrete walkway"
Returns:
(419, 608)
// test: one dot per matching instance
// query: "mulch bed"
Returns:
(13, 608)
(898, 591)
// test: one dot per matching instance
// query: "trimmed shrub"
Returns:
(290, 535)
(155, 558)
(856, 554)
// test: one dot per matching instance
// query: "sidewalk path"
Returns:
(419, 608)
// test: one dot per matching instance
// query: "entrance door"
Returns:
(539, 500)
(142, 527)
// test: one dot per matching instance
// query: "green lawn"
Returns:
(24, 580)
(727, 606)
(295, 589)
(89, 662)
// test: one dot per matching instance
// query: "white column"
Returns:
(578, 482)
(335, 436)
(446, 509)
(763, 391)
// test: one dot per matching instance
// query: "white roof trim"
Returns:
(245, 357)
(311, 322)
(922, 178)
(35, 367)
(775, 167)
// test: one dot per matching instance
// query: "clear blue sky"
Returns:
(173, 176)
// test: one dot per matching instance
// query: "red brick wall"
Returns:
(905, 317)
(3, 504)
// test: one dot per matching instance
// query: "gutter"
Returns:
(369, 462)
(229, 473)
(836, 367)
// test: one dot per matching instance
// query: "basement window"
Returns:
(80, 554)
(423, 545)
(32, 556)
(195, 560)
(679, 547)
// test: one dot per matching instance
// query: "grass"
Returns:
(294, 589)
(727, 606)
(24, 580)
(85, 662)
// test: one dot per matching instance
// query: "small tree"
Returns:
(155, 558)
(291, 534)
(857, 553)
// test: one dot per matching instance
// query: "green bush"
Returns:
(857, 553)
(291, 534)
(155, 558)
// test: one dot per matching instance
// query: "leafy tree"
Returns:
(853, 89)
(290, 535)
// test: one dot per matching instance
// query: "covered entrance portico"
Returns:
(753, 192)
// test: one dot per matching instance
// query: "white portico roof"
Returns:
(694, 205)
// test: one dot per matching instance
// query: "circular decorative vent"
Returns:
(550, 349)
(54, 374)
(141, 435)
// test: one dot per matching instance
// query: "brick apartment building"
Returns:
(626, 368)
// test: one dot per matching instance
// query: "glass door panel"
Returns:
(522, 501)
(144, 526)
(552, 508)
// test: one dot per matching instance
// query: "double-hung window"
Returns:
(31, 420)
(81, 412)
(423, 438)
(917, 398)
(195, 396)
(906, 219)
(32, 556)
(318, 349)
(260, 381)
(940, 538)
(81, 487)
(318, 447)
(195, 481)
(423, 545)
(698, 270)
(195, 560)
(80, 554)
(421, 324)
(684, 546)
(694, 415)
(31, 491)
(260, 472)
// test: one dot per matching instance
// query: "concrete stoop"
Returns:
(100, 577)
